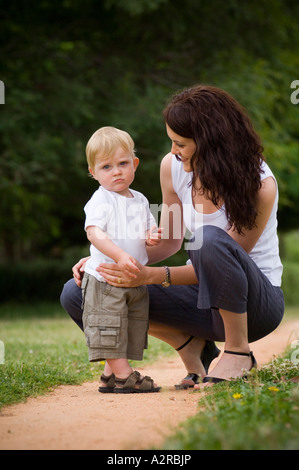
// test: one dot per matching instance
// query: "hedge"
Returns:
(41, 280)
(44, 280)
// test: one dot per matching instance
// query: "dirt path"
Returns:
(78, 417)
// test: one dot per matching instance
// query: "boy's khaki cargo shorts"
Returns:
(115, 320)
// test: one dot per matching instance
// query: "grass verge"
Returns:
(260, 414)
(43, 348)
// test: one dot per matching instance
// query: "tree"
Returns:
(71, 67)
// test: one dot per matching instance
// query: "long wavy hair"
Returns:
(228, 155)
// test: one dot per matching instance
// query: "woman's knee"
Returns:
(206, 241)
(66, 296)
(71, 297)
(71, 301)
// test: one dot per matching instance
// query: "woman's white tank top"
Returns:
(266, 251)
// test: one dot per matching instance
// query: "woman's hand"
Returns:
(117, 277)
(78, 270)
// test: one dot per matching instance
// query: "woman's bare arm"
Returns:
(171, 217)
(179, 275)
(267, 196)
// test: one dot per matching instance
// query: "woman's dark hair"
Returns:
(228, 154)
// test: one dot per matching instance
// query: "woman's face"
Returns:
(182, 147)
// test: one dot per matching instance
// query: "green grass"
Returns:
(44, 348)
(260, 414)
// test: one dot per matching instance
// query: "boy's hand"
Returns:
(128, 264)
(154, 236)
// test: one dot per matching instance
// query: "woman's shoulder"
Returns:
(268, 191)
(269, 184)
(171, 168)
(166, 169)
(166, 162)
(166, 178)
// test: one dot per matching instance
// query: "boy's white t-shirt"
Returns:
(125, 220)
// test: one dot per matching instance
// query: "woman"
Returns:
(230, 291)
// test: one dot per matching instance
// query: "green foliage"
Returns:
(290, 282)
(289, 247)
(38, 280)
(135, 7)
(71, 67)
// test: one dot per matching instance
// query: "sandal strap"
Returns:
(108, 380)
(192, 376)
(185, 344)
(185, 385)
(146, 383)
(250, 354)
(212, 380)
(130, 381)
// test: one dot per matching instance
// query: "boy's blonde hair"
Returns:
(104, 143)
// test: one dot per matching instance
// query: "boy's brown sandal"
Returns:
(135, 384)
(109, 381)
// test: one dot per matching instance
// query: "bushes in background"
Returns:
(44, 280)
(40, 280)
(290, 282)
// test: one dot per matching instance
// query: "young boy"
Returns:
(119, 226)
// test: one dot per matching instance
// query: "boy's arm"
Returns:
(153, 236)
(103, 243)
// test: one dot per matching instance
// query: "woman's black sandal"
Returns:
(216, 380)
(209, 353)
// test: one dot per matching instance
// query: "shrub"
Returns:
(40, 280)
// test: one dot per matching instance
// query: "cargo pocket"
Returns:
(104, 331)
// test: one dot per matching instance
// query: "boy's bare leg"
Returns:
(119, 367)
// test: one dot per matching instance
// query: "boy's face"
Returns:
(116, 173)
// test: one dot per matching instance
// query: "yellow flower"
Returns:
(237, 396)
(273, 389)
